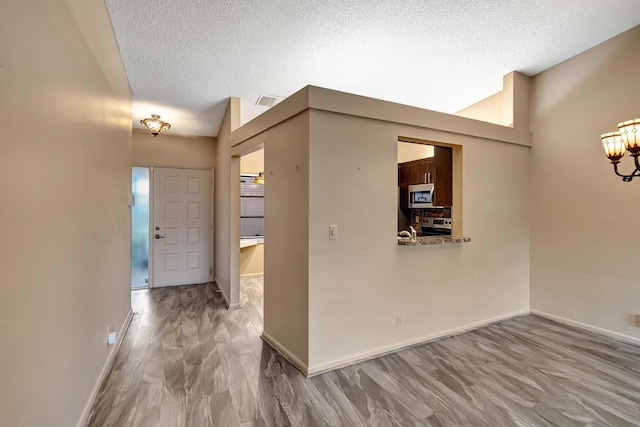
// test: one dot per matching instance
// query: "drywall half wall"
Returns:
(173, 151)
(65, 172)
(367, 295)
(584, 237)
(331, 159)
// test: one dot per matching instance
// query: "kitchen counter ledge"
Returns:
(432, 240)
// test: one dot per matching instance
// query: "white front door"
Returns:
(181, 229)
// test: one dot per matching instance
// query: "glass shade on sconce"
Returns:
(613, 145)
(259, 179)
(155, 125)
(630, 132)
(626, 139)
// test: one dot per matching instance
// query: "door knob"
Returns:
(157, 236)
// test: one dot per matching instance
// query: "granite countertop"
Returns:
(432, 240)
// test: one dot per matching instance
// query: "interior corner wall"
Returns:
(65, 173)
(360, 283)
(173, 151)
(584, 236)
(226, 217)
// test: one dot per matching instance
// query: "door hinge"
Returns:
(210, 271)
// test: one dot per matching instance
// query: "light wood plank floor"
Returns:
(186, 361)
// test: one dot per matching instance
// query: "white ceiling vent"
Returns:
(266, 101)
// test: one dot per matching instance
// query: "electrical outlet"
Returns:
(111, 337)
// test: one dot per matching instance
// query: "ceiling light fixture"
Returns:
(627, 137)
(155, 125)
(259, 179)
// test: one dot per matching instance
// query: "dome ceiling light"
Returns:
(154, 125)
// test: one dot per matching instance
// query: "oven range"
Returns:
(436, 226)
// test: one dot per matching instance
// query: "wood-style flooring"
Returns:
(186, 361)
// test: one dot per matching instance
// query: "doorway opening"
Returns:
(252, 192)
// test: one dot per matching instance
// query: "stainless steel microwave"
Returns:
(421, 196)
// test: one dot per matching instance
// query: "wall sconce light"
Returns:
(626, 138)
(155, 125)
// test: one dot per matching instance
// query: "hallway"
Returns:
(187, 361)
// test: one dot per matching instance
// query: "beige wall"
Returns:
(487, 110)
(226, 218)
(583, 236)
(252, 162)
(509, 107)
(173, 151)
(286, 221)
(65, 173)
(408, 151)
(252, 260)
(360, 283)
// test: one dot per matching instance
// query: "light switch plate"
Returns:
(333, 232)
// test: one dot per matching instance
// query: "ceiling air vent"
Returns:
(266, 101)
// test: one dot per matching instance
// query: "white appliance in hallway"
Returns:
(181, 226)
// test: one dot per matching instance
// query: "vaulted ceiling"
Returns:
(184, 58)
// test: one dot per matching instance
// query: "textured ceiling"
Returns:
(184, 58)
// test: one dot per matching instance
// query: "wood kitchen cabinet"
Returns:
(443, 176)
(404, 174)
(416, 172)
(437, 169)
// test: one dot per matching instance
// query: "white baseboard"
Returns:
(171, 285)
(292, 358)
(84, 417)
(595, 329)
(251, 275)
(226, 298)
(381, 351)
